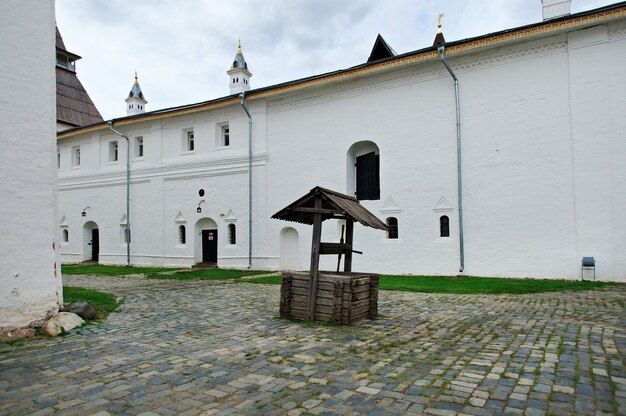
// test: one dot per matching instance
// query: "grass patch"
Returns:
(102, 270)
(207, 274)
(103, 303)
(482, 285)
(270, 280)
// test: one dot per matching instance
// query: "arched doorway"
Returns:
(289, 249)
(91, 242)
(363, 170)
(205, 241)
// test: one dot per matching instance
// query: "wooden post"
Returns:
(373, 312)
(286, 295)
(315, 257)
(347, 263)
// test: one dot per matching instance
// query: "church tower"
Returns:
(238, 74)
(135, 103)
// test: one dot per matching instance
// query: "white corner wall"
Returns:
(30, 284)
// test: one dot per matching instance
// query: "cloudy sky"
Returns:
(182, 49)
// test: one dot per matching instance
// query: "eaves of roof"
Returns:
(456, 48)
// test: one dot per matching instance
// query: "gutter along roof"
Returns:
(456, 48)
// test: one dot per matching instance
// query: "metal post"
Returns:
(241, 97)
(457, 100)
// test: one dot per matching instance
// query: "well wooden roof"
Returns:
(344, 205)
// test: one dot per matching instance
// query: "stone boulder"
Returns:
(17, 333)
(82, 309)
(65, 320)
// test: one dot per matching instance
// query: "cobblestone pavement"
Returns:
(213, 348)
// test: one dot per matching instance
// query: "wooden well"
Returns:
(342, 298)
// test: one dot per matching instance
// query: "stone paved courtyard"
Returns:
(205, 348)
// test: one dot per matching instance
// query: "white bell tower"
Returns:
(135, 103)
(238, 74)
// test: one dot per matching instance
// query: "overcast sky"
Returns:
(182, 49)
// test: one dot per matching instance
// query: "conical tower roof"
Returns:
(136, 92)
(239, 61)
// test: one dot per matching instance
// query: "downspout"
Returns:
(441, 50)
(241, 97)
(110, 124)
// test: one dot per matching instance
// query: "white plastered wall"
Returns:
(30, 284)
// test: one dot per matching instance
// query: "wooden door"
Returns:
(209, 246)
(95, 244)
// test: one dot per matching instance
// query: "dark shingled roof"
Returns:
(74, 106)
(381, 50)
(347, 205)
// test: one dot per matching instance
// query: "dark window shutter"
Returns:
(367, 176)
(444, 226)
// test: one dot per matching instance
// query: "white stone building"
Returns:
(30, 280)
(542, 143)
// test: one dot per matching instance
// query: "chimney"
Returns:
(555, 8)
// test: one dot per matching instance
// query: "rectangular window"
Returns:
(368, 176)
(76, 156)
(138, 147)
(190, 141)
(58, 160)
(113, 151)
(225, 136)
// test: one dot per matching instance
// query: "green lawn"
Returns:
(482, 285)
(207, 274)
(103, 303)
(272, 280)
(467, 285)
(102, 270)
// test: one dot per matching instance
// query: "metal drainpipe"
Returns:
(441, 50)
(241, 97)
(110, 124)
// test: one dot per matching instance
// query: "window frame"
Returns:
(76, 156)
(114, 151)
(232, 234)
(393, 232)
(139, 147)
(443, 224)
(182, 234)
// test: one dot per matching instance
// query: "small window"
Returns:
(444, 226)
(225, 136)
(58, 160)
(65, 235)
(139, 146)
(232, 234)
(182, 234)
(190, 142)
(76, 156)
(392, 223)
(113, 151)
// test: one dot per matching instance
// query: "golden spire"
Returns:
(239, 47)
(136, 76)
(439, 30)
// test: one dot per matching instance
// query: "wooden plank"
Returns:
(347, 263)
(360, 304)
(361, 296)
(315, 256)
(322, 211)
(335, 248)
(361, 289)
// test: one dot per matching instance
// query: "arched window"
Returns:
(232, 234)
(182, 234)
(66, 235)
(392, 223)
(444, 226)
